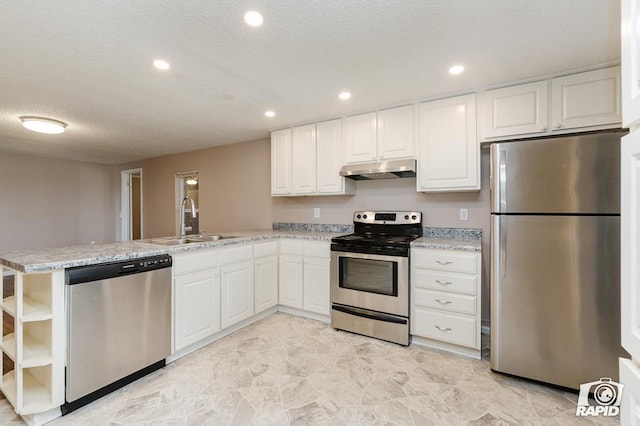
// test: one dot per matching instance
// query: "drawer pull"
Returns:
(444, 302)
(443, 329)
(444, 282)
(444, 262)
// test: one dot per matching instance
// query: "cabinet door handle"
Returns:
(443, 329)
(557, 126)
(444, 302)
(444, 282)
(444, 262)
(543, 128)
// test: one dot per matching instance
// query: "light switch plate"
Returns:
(316, 212)
(464, 214)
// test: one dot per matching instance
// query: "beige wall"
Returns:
(48, 202)
(234, 188)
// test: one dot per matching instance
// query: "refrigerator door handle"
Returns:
(498, 179)
(502, 185)
(502, 247)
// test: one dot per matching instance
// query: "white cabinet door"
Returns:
(281, 162)
(316, 285)
(449, 155)
(329, 159)
(290, 269)
(396, 133)
(586, 99)
(237, 292)
(515, 110)
(266, 283)
(303, 159)
(196, 306)
(630, 243)
(630, 63)
(360, 138)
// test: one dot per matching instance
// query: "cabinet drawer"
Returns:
(444, 260)
(450, 328)
(265, 249)
(236, 254)
(291, 247)
(445, 301)
(458, 283)
(195, 261)
(317, 249)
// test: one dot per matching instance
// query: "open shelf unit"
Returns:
(36, 346)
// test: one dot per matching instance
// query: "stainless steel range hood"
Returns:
(391, 169)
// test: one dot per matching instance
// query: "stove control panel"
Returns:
(388, 217)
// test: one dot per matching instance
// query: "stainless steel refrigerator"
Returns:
(555, 258)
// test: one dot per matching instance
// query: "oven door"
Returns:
(370, 281)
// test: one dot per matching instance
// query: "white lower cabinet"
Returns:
(445, 299)
(196, 301)
(304, 275)
(265, 267)
(236, 275)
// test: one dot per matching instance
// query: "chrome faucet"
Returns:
(193, 214)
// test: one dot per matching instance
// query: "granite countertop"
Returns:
(461, 244)
(42, 260)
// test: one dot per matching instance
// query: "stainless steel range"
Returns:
(370, 275)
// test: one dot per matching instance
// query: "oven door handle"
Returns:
(369, 314)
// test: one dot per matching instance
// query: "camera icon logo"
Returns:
(606, 394)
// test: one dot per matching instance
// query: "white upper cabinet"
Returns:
(360, 138)
(395, 133)
(448, 153)
(515, 110)
(281, 162)
(384, 135)
(586, 99)
(303, 162)
(630, 63)
(329, 159)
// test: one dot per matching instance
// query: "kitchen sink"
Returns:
(176, 241)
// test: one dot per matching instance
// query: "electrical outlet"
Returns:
(464, 214)
(316, 213)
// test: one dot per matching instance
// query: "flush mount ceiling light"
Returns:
(344, 96)
(191, 180)
(253, 18)
(43, 125)
(270, 114)
(161, 64)
(456, 69)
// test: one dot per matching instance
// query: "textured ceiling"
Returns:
(88, 63)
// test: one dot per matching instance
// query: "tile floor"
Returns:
(287, 370)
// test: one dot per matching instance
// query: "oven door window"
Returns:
(372, 276)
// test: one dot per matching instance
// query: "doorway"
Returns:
(131, 202)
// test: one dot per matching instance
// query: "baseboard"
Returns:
(42, 418)
(449, 347)
(305, 314)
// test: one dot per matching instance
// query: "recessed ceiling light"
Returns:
(270, 114)
(191, 181)
(43, 125)
(344, 96)
(253, 18)
(456, 69)
(161, 65)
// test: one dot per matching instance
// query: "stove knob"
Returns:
(364, 216)
(406, 217)
(414, 217)
(359, 216)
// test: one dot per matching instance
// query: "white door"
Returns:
(360, 138)
(303, 159)
(281, 162)
(237, 292)
(396, 133)
(586, 99)
(197, 306)
(329, 157)
(514, 110)
(266, 283)
(290, 281)
(449, 154)
(316, 285)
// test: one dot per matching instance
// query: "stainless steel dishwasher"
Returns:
(118, 325)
